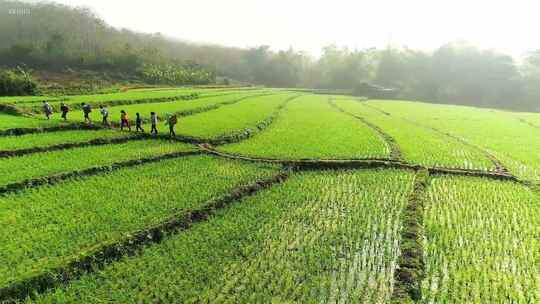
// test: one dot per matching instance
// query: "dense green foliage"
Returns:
(17, 83)
(49, 36)
(310, 128)
(61, 221)
(176, 75)
(481, 242)
(305, 241)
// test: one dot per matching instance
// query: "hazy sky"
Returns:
(509, 26)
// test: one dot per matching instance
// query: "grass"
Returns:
(18, 169)
(421, 145)
(28, 141)
(237, 118)
(305, 241)
(13, 122)
(514, 143)
(481, 242)
(74, 217)
(310, 128)
(26, 99)
(162, 108)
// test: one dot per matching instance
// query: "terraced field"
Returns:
(270, 196)
(311, 128)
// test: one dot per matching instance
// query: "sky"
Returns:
(508, 26)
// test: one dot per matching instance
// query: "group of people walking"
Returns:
(171, 121)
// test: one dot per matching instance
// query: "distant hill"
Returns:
(65, 43)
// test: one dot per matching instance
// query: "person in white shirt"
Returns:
(47, 109)
(105, 115)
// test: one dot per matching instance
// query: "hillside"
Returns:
(68, 46)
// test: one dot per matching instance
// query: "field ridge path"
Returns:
(67, 146)
(100, 256)
(391, 143)
(499, 166)
(367, 163)
(59, 178)
(411, 266)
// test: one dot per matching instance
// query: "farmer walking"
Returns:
(153, 120)
(87, 109)
(47, 109)
(124, 120)
(105, 114)
(138, 123)
(65, 109)
(172, 121)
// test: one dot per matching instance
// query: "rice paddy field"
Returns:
(268, 196)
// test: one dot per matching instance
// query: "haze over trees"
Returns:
(56, 37)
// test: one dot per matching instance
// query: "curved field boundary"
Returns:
(55, 179)
(36, 109)
(69, 127)
(395, 151)
(530, 124)
(130, 244)
(229, 138)
(499, 166)
(93, 142)
(249, 132)
(411, 266)
(194, 111)
(78, 126)
(322, 164)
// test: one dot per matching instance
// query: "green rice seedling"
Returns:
(321, 237)
(43, 140)
(14, 122)
(26, 99)
(42, 228)
(310, 128)
(234, 119)
(162, 109)
(39, 165)
(481, 242)
(514, 143)
(421, 145)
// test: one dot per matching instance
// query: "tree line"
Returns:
(53, 36)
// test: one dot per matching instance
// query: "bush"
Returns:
(17, 83)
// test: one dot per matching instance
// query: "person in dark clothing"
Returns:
(65, 109)
(138, 123)
(172, 121)
(154, 121)
(87, 109)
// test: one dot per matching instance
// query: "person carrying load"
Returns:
(47, 109)
(65, 109)
(87, 109)
(172, 121)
